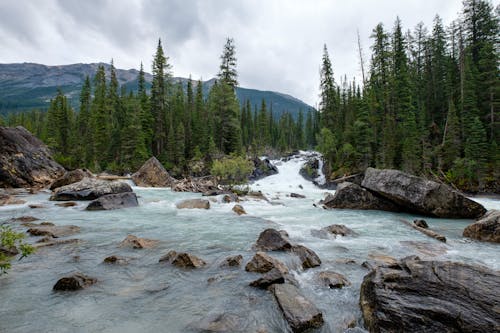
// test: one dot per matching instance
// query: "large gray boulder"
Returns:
(114, 201)
(89, 189)
(273, 240)
(300, 313)
(152, 174)
(352, 196)
(431, 296)
(419, 195)
(71, 177)
(485, 229)
(24, 160)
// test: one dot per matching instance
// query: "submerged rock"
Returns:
(232, 261)
(74, 282)
(238, 209)
(334, 229)
(310, 169)
(230, 197)
(24, 160)
(268, 279)
(24, 219)
(263, 263)
(262, 168)
(138, 243)
(193, 204)
(114, 201)
(7, 199)
(89, 189)
(421, 223)
(308, 257)
(333, 280)
(430, 296)
(486, 229)
(273, 240)
(219, 323)
(54, 231)
(115, 260)
(419, 195)
(48, 241)
(300, 313)
(352, 196)
(296, 195)
(67, 204)
(71, 177)
(183, 260)
(152, 174)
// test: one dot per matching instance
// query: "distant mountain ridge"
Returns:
(26, 86)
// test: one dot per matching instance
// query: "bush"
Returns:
(232, 170)
(10, 241)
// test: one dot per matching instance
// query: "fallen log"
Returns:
(427, 232)
(112, 177)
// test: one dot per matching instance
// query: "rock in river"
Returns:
(152, 174)
(89, 189)
(193, 204)
(308, 257)
(138, 243)
(263, 263)
(54, 231)
(114, 201)
(183, 260)
(300, 313)
(24, 160)
(71, 177)
(485, 229)
(273, 240)
(431, 296)
(238, 209)
(333, 280)
(74, 282)
(419, 195)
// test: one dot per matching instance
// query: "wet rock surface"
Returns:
(333, 280)
(238, 209)
(183, 260)
(273, 240)
(152, 174)
(430, 296)
(114, 201)
(71, 177)
(308, 257)
(135, 242)
(54, 231)
(193, 204)
(486, 229)
(262, 168)
(268, 279)
(232, 261)
(263, 263)
(89, 189)
(333, 230)
(74, 282)
(352, 196)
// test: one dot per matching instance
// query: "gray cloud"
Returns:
(279, 42)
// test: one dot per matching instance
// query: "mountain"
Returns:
(26, 86)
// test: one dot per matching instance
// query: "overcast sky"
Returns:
(278, 43)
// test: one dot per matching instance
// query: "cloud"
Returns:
(278, 42)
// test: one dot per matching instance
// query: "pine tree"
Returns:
(145, 115)
(329, 118)
(451, 146)
(100, 120)
(84, 152)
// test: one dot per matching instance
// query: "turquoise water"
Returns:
(146, 296)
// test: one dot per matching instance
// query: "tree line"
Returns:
(117, 130)
(428, 104)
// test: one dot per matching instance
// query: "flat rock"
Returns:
(263, 263)
(7, 199)
(333, 280)
(296, 195)
(238, 209)
(138, 243)
(268, 279)
(300, 313)
(70, 177)
(333, 230)
(183, 260)
(486, 229)
(114, 201)
(36, 206)
(193, 204)
(67, 204)
(273, 240)
(89, 189)
(118, 260)
(308, 257)
(74, 282)
(152, 174)
(54, 231)
(416, 194)
(352, 196)
(232, 261)
(431, 296)
(24, 219)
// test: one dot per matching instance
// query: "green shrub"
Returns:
(9, 240)
(232, 170)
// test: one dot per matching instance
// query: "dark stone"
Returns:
(48, 241)
(334, 229)
(36, 206)
(71, 177)
(487, 228)
(333, 280)
(115, 260)
(74, 282)
(268, 279)
(67, 204)
(24, 219)
(7, 199)
(352, 196)
(308, 257)
(152, 174)
(421, 223)
(300, 313)
(230, 197)
(298, 196)
(24, 160)
(421, 196)
(89, 189)
(273, 240)
(54, 231)
(262, 168)
(138, 243)
(238, 209)
(183, 260)
(263, 263)
(310, 169)
(430, 296)
(114, 201)
(232, 261)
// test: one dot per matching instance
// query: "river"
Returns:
(147, 296)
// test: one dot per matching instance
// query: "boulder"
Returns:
(152, 174)
(335, 230)
(273, 240)
(296, 195)
(7, 199)
(430, 296)
(238, 209)
(138, 243)
(71, 177)
(262, 168)
(300, 313)
(67, 204)
(263, 263)
(376, 260)
(268, 279)
(36, 206)
(193, 204)
(74, 282)
(308, 257)
(115, 260)
(333, 280)
(232, 261)
(114, 201)
(183, 260)
(230, 197)
(421, 196)
(24, 219)
(54, 231)
(310, 169)
(24, 160)
(89, 189)
(486, 228)
(421, 223)
(352, 196)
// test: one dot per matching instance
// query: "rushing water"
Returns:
(146, 296)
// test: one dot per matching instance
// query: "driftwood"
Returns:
(346, 178)
(197, 185)
(427, 232)
(113, 177)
